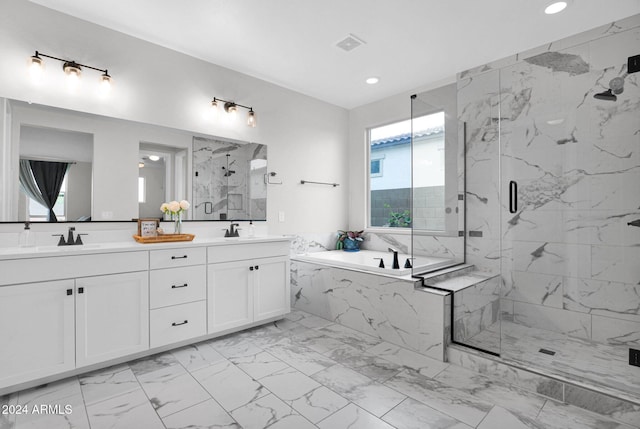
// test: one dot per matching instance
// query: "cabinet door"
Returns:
(112, 316)
(230, 299)
(36, 330)
(271, 287)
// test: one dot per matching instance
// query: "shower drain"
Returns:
(547, 352)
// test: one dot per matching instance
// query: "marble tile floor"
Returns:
(600, 366)
(300, 372)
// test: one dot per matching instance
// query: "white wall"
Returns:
(306, 138)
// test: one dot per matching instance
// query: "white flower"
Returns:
(174, 206)
(164, 207)
(184, 205)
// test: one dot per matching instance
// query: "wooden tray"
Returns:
(164, 238)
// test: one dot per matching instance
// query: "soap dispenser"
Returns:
(27, 237)
(252, 229)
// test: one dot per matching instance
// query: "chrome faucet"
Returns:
(396, 264)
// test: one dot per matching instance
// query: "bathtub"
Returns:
(365, 260)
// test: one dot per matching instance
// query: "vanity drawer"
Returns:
(242, 251)
(176, 323)
(177, 257)
(177, 285)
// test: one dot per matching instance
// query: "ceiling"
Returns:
(408, 43)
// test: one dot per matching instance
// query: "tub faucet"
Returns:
(396, 264)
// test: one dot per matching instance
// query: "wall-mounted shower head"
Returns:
(616, 87)
(607, 95)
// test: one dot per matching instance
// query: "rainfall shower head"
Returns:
(607, 95)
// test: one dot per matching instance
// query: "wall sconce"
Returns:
(72, 69)
(231, 108)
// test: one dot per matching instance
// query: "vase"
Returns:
(349, 245)
(177, 223)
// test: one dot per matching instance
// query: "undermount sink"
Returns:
(67, 248)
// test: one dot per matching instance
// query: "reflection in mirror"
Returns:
(228, 180)
(54, 175)
(162, 177)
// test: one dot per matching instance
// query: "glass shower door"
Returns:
(570, 175)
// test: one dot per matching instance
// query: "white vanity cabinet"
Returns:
(178, 294)
(36, 330)
(111, 316)
(247, 283)
(86, 314)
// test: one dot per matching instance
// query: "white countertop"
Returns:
(8, 253)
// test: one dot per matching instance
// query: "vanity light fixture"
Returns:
(231, 107)
(71, 68)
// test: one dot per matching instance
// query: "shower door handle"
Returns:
(513, 197)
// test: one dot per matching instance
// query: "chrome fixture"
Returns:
(231, 107)
(71, 68)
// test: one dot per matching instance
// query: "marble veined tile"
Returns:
(8, 420)
(350, 336)
(152, 363)
(499, 418)
(289, 384)
(205, 415)
(509, 397)
(50, 393)
(353, 417)
(408, 359)
(448, 400)
(411, 414)
(259, 364)
(562, 416)
(172, 389)
(68, 412)
(368, 364)
(312, 321)
(264, 412)
(316, 341)
(235, 348)
(228, 385)
(299, 357)
(196, 356)
(106, 383)
(611, 299)
(364, 392)
(131, 410)
(318, 404)
(622, 411)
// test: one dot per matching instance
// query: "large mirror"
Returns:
(117, 170)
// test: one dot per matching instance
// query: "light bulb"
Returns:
(73, 74)
(154, 157)
(35, 66)
(251, 119)
(105, 82)
(372, 80)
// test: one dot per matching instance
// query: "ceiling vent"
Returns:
(349, 43)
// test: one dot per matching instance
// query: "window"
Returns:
(391, 194)
(38, 212)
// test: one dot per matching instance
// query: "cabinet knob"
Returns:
(69, 292)
(250, 268)
(181, 323)
(80, 290)
(257, 267)
(179, 286)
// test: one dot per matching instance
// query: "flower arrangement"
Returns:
(175, 209)
(349, 240)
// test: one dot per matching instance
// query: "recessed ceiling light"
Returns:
(154, 157)
(372, 80)
(555, 7)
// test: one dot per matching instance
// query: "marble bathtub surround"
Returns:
(375, 308)
(199, 386)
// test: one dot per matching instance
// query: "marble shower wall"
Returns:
(569, 260)
(239, 195)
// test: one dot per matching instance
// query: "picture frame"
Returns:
(148, 227)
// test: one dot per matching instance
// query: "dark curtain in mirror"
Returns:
(48, 177)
